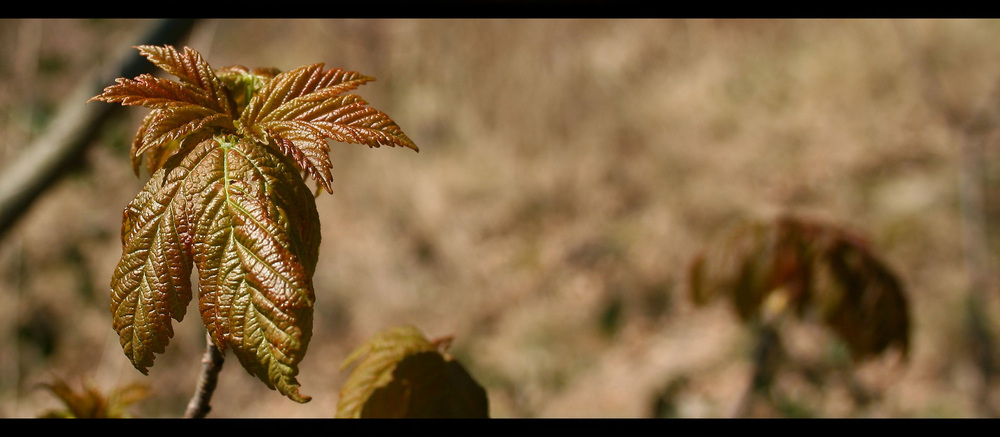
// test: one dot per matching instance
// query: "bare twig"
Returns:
(211, 365)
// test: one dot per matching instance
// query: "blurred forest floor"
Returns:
(568, 172)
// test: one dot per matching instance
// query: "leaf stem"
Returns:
(211, 365)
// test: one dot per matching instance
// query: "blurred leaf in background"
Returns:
(766, 268)
(403, 375)
(90, 403)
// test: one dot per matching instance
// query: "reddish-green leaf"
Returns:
(151, 283)
(178, 110)
(308, 83)
(257, 236)
(153, 92)
(192, 70)
(175, 123)
(244, 217)
(300, 109)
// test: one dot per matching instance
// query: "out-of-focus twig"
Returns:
(73, 128)
(765, 363)
(767, 353)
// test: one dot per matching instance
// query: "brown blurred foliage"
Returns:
(813, 269)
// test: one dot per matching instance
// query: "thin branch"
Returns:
(211, 365)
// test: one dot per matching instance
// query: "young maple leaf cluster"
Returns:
(225, 149)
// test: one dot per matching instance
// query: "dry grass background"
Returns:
(569, 170)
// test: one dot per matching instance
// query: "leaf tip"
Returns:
(293, 394)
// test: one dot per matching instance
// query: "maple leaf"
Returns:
(225, 199)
